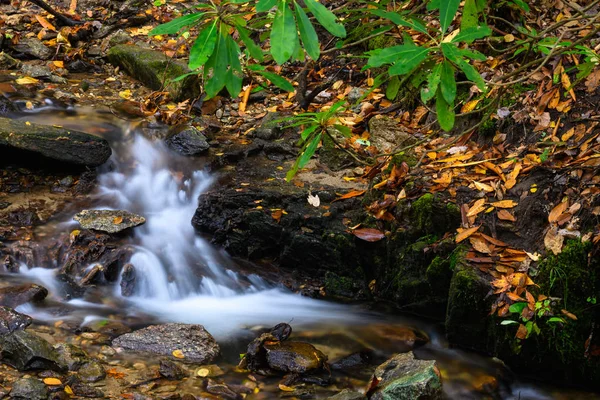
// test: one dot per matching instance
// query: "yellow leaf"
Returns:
(509, 38)
(285, 388)
(125, 94)
(469, 106)
(58, 64)
(44, 23)
(52, 381)
(178, 354)
(203, 372)
(504, 204)
(557, 211)
(465, 233)
(27, 80)
(68, 390)
(478, 207)
(117, 220)
(483, 186)
(506, 216)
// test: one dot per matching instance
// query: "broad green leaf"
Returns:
(308, 34)
(448, 9)
(409, 62)
(344, 130)
(556, 319)
(254, 50)
(204, 45)
(182, 77)
(392, 88)
(392, 54)
(176, 25)
(445, 112)
(265, 5)
(306, 133)
(304, 157)
(453, 54)
(448, 82)
(299, 54)
(233, 79)
(470, 15)
(468, 35)
(433, 81)
(509, 322)
(473, 54)
(283, 33)
(217, 67)
(278, 81)
(400, 20)
(522, 5)
(517, 307)
(326, 18)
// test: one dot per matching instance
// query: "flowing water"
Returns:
(182, 278)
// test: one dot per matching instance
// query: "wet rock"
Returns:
(27, 351)
(355, 94)
(83, 390)
(354, 361)
(33, 47)
(119, 37)
(294, 357)
(128, 280)
(403, 377)
(193, 341)
(111, 221)
(91, 372)
(170, 370)
(11, 321)
(94, 276)
(71, 356)
(387, 134)
(222, 390)
(14, 296)
(36, 71)
(29, 389)
(348, 394)
(187, 140)
(53, 142)
(269, 128)
(7, 62)
(154, 69)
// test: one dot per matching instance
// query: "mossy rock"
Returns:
(430, 215)
(335, 158)
(155, 70)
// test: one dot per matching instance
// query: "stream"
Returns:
(181, 277)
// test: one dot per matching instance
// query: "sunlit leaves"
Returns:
(448, 9)
(275, 79)
(326, 18)
(445, 112)
(176, 25)
(400, 20)
(204, 45)
(307, 33)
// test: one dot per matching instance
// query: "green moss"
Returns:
(336, 285)
(489, 127)
(422, 210)
(438, 273)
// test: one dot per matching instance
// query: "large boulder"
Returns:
(11, 321)
(14, 296)
(155, 70)
(111, 221)
(191, 343)
(53, 142)
(402, 377)
(27, 351)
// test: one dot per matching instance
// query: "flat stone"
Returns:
(29, 389)
(187, 140)
(111, 221)
(27, 351)
(33, 47)
(11, 321)
(14, 296)
(348, 394)
(295, 357)
(193, 342)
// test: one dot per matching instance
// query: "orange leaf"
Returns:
(368, 234)
(117, 220)
(521, 332)
(52, 381)
(464, 234)
(480, 245)
(276, 215)
(506, 216)
(44, 23)
(504, 204)
(478, 207)
(351, 194)
(245, 97)
(569, 315)
(514, 296)
(557, 211)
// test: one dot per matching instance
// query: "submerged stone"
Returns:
(402, 377)
(111, 221)
(191, 343)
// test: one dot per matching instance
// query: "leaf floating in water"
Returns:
(52, 381)
(369, 234)
(203, 372)
(178, 354)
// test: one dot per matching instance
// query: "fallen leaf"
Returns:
(504, 204)
(469, 106)
(521, 332)
(44, 23)
(178, 354)
(117, 220)
(285, 388)
(203, 372)
(557, 211)
(480, 245)
(368, 234)
(569, 315)
(464, 234)
(52, 381)
(125, 94)
(477, 207)
(27, 80)
(276, 215)
(514, 296)
(506, 216)
(68, 390)
(349, 195)
(553, 240)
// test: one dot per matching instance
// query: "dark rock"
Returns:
(14, 296)
(11, 321)
(348, 394)
(94, 276)
(33, 47)
(355, 94)
(111, 221)
(353, 361)
(294, 357)
(27, 351)
(36, 71)
(171, 370)
(187, 140)
(196, 344)
(154, 69)
(403, 377)
(91, 372)
(7, 62)
(71, 356)
(83, 390)
(222, 390)
(269, 128)
(55, 143)
(128, 280)
(29, 389)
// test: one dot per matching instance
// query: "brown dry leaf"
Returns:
(44, 23)
(505, 215)
(276, 215)
(368, 234)
(477, 207)
(504, 204)
(514, 296)
(480, 244)
(521, 279)
(117, 220)
(521, 332)
(483, 186)
(245, 97)
(465, 233)
(494, 241)
(349, 195)
(569, 315)
(593, 80)
(557, 211)
(52, 382)
(566, 82)
(511, 181)
(115, 374)
(554, 240)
